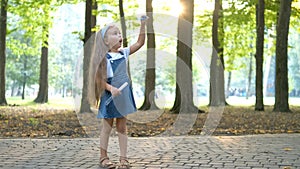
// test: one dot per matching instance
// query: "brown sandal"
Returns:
(123, 164)
(108, 165)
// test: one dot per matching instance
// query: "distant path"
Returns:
(244, 152)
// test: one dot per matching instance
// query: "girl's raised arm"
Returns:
(141, 39)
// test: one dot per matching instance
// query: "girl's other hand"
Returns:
(115, 91)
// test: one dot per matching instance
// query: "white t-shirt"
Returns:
(115, 56)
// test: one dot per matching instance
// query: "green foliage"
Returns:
(106, 9)
(28, 25)
(295, 15)
(25, 35)
(33, 17)
(271, 12)
(202, 29)
(21, 62)
(240, 34)
(166, 74)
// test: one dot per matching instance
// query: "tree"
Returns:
(21, 67)
(90, 23)
(3, 26)
(281, 80)
(248, 89)
(24, 78)
(260, 28)
(24, 40)
(123, 24)
(36, 20)
(124, 32)
(184, 90)
(217, 88)
(149, 97)
(42, 96)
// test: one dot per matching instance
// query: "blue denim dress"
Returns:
(124, 103)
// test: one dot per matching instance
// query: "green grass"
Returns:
(69, 102)
(54, 102)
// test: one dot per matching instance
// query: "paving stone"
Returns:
(244, 152)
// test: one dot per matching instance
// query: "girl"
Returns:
(110, 74)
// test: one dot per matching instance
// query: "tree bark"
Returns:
(124, 33)
(90, 22)
(23, 87)
(123, 23)
(43, 82)
(217, 88)
(228, 84)
(184, 89)
(149, 97)
(24, 77)
(249, 78)
(260, 25)
(281, 80)
(13, 89)
(3, 28)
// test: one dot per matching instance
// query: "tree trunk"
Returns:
(24, 77)
(13, 89)
(124, 33)
(228, 84)
(43, 82)
(281, 80)
(260, 25)
(123, 24)
(184, 84)
(149, 99)
(249, 78)
(90, 22)
(3, 24)
(63, 91)
(23, 88)
(19, 91)
(217, 88)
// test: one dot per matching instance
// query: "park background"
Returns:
(58, 29)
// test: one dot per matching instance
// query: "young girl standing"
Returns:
(111, 74)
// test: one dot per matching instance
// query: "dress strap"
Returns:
(108, 56)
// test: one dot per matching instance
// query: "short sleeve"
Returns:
(126, 52)
(109, 70)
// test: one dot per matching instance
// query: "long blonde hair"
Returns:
(98, 67)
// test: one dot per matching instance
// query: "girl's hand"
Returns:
(144, 18)
(141, 39)
(115, 91)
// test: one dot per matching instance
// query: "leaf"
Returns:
(287, 167)
(287, 149)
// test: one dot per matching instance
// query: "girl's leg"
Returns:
(104, 136)
(122, 134)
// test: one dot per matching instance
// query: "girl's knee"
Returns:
(122, 129)
(107, 126)
(106, 129)
(121, 125)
